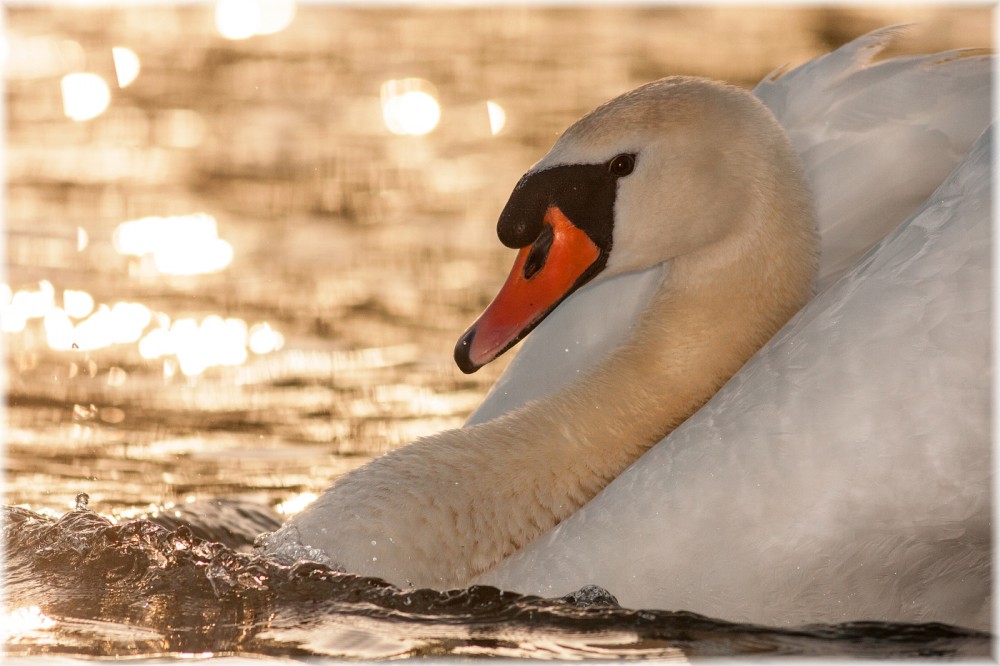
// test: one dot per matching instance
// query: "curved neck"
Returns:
(713, 310)
(495, 486)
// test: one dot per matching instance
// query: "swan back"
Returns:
(876, 139)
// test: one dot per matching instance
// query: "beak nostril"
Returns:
(539, 252)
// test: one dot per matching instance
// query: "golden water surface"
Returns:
(241, 241)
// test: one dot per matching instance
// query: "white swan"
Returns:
(797, 494)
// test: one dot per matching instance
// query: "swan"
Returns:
(662, 241)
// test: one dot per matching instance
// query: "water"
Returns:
(346, 260)
(139, 588)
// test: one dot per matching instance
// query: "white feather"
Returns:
(876, 139)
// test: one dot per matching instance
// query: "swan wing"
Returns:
(875, 139)
(843, 474)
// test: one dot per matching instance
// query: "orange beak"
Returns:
(542, 276)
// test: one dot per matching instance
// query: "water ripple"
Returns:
(142, 587)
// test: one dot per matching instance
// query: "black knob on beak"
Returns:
(520, 222)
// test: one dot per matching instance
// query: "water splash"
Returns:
(177, 592)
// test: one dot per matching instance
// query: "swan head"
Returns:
(677, 169)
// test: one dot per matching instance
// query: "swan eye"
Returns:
(621, 165)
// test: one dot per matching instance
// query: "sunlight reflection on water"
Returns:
(181, 245)
(197, 346)
(277, 222)
(241, 19)
(127, 65)
(410, 106)
(85, 95)
(22, 621)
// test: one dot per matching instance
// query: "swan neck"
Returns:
(711, 312)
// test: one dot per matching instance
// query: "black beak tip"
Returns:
(463, 350)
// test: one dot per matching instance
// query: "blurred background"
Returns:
(243, 238)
